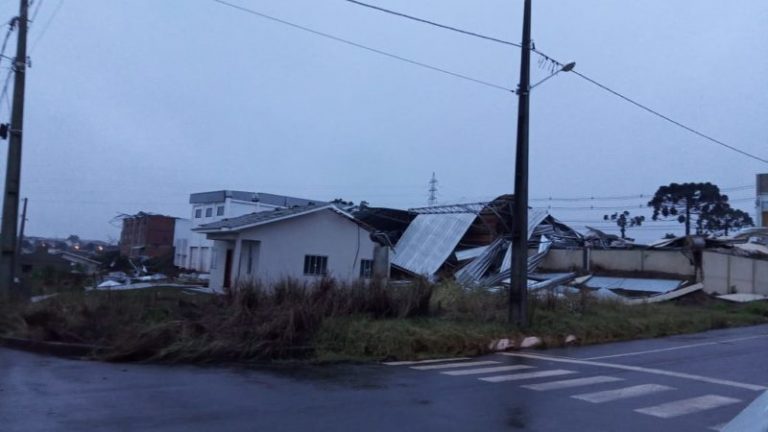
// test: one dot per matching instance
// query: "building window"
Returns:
(198, 213)
(220, 211)
(209, 212)
(315, 265)
(366, 268)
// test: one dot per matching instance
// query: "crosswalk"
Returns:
(611, 388)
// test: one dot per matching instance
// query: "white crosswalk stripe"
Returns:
(486, 370)
(529, 375)
(455, 365)
(556, 385)
(688, 406)
(622, 393)
(416, 362)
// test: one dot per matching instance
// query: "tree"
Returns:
(725, 218)
(687, 202)
(624, 221)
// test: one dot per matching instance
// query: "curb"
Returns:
(60, 349)
(752, 419)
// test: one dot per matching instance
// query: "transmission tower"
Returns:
(432, 191)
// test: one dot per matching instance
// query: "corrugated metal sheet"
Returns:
(479, 266)
(633, 284)
(429, 240)
(535, 218)
(466, 254)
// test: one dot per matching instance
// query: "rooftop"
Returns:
(262, 197)
(264, 217)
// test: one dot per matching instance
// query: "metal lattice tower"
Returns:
(432, 191)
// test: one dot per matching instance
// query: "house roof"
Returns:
(265, 217)
(262, 197)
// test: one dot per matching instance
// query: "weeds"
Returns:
(327, 320)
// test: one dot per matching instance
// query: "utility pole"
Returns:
(8, 231)
(518, 290)
(432, 191)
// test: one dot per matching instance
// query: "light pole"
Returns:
(518, 289)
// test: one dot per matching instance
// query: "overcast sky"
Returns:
(134, 104)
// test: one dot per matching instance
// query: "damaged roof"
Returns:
(633, 284)
(437, 231)
(429, 240)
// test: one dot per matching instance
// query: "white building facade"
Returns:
(193, 251)
(304, 244)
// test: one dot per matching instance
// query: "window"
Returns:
(366, 268)
(209, 212)
(315, 265)
(198, 213)
(220, 211)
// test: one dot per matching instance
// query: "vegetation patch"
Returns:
(327, 321)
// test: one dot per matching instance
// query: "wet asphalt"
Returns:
(39, 393)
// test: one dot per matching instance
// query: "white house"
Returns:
(193, 250)
(304, 243)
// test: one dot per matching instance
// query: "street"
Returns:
(680, 383)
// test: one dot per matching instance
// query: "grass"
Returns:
(327, 321)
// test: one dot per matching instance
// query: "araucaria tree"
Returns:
(624, 221)
(724, 219)
(687, 203)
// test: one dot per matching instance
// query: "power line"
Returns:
(47, 24)
(626, 197)
(361, 46)
(674, 122)
(436, 24)
(37, 9)
(579, 74)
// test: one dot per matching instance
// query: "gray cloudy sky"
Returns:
(134, 104)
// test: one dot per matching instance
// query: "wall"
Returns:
(762, 200)
(181, 231)
(284, 244)
(625, 260)
(727, 274)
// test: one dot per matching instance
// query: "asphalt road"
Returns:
(682, 383)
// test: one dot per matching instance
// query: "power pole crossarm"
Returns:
(8, 233)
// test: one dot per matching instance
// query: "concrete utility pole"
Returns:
(8, 237)
(518, 290)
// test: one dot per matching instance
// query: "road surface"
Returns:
(681, 383)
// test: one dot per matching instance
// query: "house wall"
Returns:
(728, 274)
(284, 244)
(627, 260)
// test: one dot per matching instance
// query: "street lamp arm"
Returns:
(566, 68)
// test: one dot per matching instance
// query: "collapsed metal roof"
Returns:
(429, 240)
(479, 231)
(633, 284)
